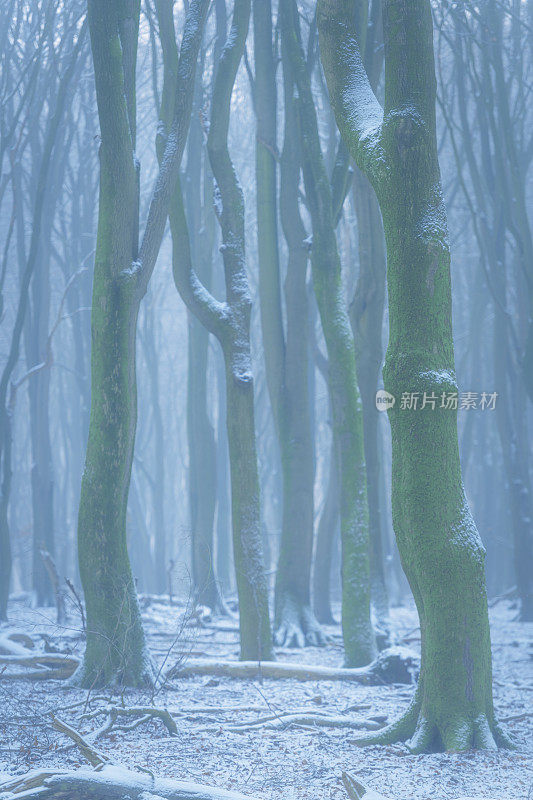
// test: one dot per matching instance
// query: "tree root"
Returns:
(108, 783)
(396, 665)
(297, 626)
(422, 735)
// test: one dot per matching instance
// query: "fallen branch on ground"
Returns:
(517, 717)
(356, 790)
(109, 783)
(140, 715)
(396, 665)
(308, 719)
(93, 756)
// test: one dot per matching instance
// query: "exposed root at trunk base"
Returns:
(458, 733)
(297, 626)
(135, 675)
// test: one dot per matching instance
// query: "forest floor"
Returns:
(297, 761)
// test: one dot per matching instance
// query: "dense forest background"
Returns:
(48, 227)
(227, 231)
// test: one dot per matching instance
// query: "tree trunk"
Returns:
(116, 649)
(5, 491)
(223, 538)
(440, 548)
(366, 317)
(200, 433)
(325, 537)
(230, 323)
(42, 479)
(358, 635)
(286, 352)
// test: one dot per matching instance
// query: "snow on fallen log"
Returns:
(51, 665)
(117, 782)
(395, 665)
(308, 719)
(9, 646)
(109, 783)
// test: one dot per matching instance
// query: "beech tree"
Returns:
(285, 345)
(441, 550)
(116, 649)
(229, 321)
(324, 202)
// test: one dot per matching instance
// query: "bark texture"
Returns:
(116, 650)
(440, 547)
(359, 640)
(229, 321)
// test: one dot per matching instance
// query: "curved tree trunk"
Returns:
(440, 548)
(358, 635)
(230, 323)
(200, 432)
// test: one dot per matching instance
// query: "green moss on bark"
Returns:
(441, 551)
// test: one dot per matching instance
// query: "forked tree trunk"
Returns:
(230, 323)
(116, 650)
(440, 547)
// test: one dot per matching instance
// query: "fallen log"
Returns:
(109, 783)
(395, 665)
(116, 783)
(9, 646)
(52, 665)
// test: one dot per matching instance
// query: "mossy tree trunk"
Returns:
(285, 347)
(116, 650)
(440, 548)
(358, 635)
(229, 321)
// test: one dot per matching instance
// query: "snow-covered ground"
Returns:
(296, 762)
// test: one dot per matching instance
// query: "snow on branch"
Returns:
(358, 113)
